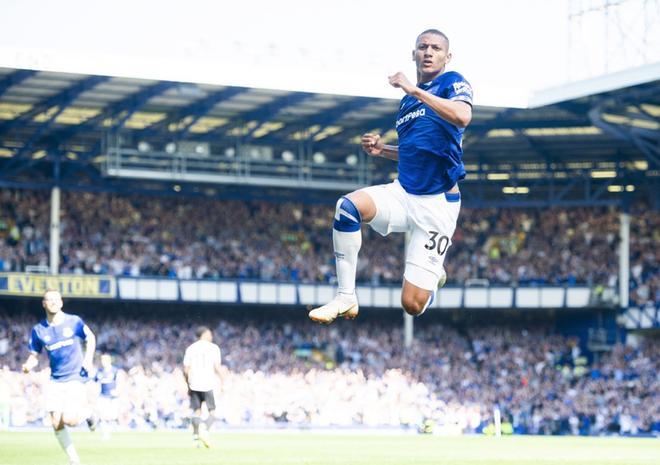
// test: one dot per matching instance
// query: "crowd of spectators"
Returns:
(295, 373)
(203, 238)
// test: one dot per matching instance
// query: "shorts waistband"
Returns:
(453, 196)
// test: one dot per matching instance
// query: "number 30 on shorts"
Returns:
(440, 243)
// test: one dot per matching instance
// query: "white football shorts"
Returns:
(68, 397)
(108, 408)
(431, 221)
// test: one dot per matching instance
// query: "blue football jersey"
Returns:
(430, 148)
(62, 343)
(108, 380)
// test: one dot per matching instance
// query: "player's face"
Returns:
(52, 302)
(431, 54)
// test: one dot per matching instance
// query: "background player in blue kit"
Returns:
(60, 334)
(424, 200)
(108, 377)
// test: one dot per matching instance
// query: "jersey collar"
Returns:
(429, 84)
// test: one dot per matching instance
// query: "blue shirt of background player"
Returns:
(108, 380)
(62, 344)
(430, 148)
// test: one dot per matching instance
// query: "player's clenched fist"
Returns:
(29, 364)
(372, 144)
(400, 81)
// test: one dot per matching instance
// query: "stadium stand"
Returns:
(280, 371)
(122, 235)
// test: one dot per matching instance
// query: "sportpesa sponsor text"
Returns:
(59, 345)
(412, 115)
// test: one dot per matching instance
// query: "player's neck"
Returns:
(426, 78)
(55, 318)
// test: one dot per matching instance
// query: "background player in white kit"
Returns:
(201, 369)
(60, 334)
(424, 200)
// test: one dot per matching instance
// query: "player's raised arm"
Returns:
(457, 112)
(373, 145)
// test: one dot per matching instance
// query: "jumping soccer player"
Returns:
(425, 199)
(201, 362)
(60, 334)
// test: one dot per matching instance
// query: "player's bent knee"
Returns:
(347, 216)
(411, 305)
(365, 204)
(57, 422)
(70, 420)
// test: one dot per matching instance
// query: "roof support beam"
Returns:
(649, 147)
(61, 100)
(15, 78)
(262, 114)
(196, 111)
(130, 105)
(325, 118)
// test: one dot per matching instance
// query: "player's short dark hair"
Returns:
(201, 330)
(436, 32)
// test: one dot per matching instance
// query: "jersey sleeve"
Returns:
(458, 89)
(34, 343)
(80, 328)
(186, 358)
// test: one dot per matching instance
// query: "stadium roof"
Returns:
(596, 86)
(97, 126)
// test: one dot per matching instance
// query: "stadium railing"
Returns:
(230, 291)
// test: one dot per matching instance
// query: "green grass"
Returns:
(175, 448)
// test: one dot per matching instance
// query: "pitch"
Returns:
(175, 448)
